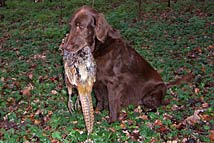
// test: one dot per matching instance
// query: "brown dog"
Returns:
(123, 77)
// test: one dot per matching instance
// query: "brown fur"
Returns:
(123, 76)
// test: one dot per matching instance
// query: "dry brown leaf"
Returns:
(205, 117)
(123, 126)
(143, 117)
(211, 135)
(47, 128)
(37, 122)
(2, 79)
(172, 141)
(205, 105)
(38, 112)
(30, 76)
(158, 123)
(54, 92)
(178, 126)
(196, 90)
(167, 116)
(211, 47)
(195, 118)
(153, 140)
(54, 141)
(11, 101)
(203, 68)
(26, 92)
(162, 129)
(39, 56)
(50, 113)
(36, 100)
(112, 129)
(176, 107)
(138, 109)
(74, 122)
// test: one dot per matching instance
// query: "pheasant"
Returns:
(80, 72)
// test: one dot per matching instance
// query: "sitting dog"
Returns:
(123, 76)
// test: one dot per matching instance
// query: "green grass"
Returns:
(175, 41)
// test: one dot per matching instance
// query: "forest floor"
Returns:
(176, 41)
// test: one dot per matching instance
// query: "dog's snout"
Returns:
(74, 43)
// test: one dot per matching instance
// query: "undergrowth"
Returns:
(33, 97)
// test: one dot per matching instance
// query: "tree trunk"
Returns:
(2, 3)
(139, 8)
(168, 3)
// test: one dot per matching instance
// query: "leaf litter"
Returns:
(33, 97)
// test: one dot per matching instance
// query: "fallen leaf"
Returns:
(176, 107)
(179, 126)
(54, 92)
(172, 141)
(135, 134)
(143, 117)
(36, 100)
(39, 56)
(210, 47)
(196, 90)
(54, 141)
(138, 109)
(112, 129)
(2, 79)
(50, 113)
(158, 123)
(38, 112)
(47, 128)
(47, 117)
(203, 68)
(74, 122)
(167, 116)
(122, 116)
(123, 126)
(26, 92)
(30, 76)
(11, 101)
(184, 140)
(37, 122)
(205, 117)
(162, 129)
(195, 118)
(205, 105)
(153, 140)
(211, 135)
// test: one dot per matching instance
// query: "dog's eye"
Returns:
(79, 26)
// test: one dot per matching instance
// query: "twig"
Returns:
(60, 19)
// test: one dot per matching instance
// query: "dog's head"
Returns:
(86, 25)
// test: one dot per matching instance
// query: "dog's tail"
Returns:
(183, 79)
(177, 81)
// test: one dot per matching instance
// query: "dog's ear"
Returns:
(102, 27)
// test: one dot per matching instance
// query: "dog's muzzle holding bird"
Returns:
(80, 72)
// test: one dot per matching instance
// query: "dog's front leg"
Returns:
(114, 101)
